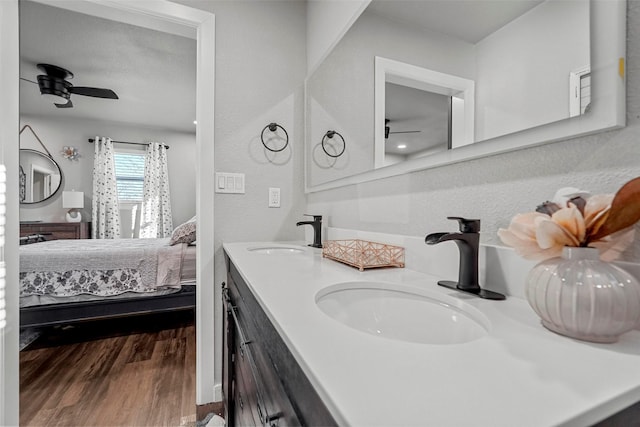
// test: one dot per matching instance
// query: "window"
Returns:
(129, 176)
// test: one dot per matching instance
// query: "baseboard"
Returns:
(214, 407)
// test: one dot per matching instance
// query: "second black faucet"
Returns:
(317, 229)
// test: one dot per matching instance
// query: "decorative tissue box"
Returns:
(364, 254)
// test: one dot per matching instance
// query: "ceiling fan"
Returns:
(53, 84)
(387, 130)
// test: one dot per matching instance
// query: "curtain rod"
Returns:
(91, 140)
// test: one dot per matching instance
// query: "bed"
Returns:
(65, 281)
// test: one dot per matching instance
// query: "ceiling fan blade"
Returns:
(69, 104)
(93, 91)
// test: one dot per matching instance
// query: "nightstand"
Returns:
(57, 230)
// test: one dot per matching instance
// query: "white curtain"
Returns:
(156, 203)
(105, 209)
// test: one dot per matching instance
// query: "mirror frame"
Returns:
(608, 47)
(56, 165)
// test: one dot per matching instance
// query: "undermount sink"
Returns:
(276, 250)
(404, 314)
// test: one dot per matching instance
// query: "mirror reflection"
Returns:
(40, 176)
(416, 123)
(528, 59)
(439, 106)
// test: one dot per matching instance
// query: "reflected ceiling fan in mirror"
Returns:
(54, 85)
(387, 130)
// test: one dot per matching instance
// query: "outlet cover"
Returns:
(274, 197)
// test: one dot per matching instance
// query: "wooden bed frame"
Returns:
(57, 314)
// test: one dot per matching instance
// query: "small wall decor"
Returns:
(70, 153)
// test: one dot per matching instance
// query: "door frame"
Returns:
(165, 16)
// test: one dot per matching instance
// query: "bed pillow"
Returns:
(184, 233)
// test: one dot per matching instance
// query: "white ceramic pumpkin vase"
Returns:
(580, 296)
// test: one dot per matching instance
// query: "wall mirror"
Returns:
(534, 71)
(40, 176)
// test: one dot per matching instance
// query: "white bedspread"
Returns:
(99, 267)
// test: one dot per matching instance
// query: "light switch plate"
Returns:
(274, 197)
(227, 182)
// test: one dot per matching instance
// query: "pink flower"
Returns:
(522, 236)
(574, 218)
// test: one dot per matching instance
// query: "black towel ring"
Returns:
(273, 127)
(330, 134)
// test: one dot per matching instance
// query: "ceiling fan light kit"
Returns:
(54, 86)
(54, 89)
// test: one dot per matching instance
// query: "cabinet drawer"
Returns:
(243, 413)
(271, 398)
(256, 376)
(245, 379)
(57, 230)
(247, 404)
(59, 234)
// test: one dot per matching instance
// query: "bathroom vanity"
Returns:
(263, 384)
(295, 354)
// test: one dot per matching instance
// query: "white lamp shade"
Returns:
(55, 99)
(73, 199)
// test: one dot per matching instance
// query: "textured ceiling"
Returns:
(153, 73)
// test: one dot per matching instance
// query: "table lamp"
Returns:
(73, 200)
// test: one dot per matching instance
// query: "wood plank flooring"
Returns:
(138, 371)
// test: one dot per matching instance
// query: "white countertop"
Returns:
(520, 374)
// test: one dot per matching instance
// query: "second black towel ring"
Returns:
(330, 134)
(273, 127)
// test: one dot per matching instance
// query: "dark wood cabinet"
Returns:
(263, 384)
(57, 230)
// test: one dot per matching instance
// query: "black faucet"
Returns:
(468, 241)
(317, 229)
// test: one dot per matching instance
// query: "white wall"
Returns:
(510, 95)
(260, 71)
(327, 21)
(78, 174)
(497, 187)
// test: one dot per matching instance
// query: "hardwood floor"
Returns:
(138, 371)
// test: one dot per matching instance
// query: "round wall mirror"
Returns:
(40, 176)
